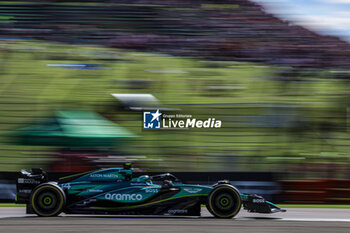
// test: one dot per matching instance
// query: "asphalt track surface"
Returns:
(294, 220)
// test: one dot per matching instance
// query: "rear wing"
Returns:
(27, 181)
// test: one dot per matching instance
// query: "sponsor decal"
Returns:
(123, 197)
(152, 190)
(157, 120)
(94, 190)
(258, 200)
(27, 181)
(25, 191)
(192, 190)
(140, 183)
(177, 211)
(108, 175)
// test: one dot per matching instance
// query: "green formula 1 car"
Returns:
(116, 191)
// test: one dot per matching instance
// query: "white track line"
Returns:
(295, 219)
(236, 219)
(315, 219)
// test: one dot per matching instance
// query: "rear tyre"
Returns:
(224, 201)
(47, 200)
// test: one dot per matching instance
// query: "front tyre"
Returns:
(224, 201)
(48, 200)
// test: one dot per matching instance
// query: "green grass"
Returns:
(11, 205)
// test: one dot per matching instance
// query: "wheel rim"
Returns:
(224, 201)
(47, 200)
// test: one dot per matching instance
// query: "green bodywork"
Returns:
(112, 185)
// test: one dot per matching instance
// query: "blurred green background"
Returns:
(267, 125)
(280, 90)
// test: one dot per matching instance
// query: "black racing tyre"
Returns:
(224, 201)
(48, 200)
